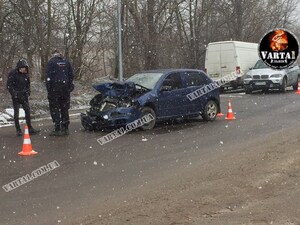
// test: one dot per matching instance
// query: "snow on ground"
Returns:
(39, 105)
(10, 112)
(6, 117)
(3, 118)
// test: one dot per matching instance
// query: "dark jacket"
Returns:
(59, 76)
(18, 84)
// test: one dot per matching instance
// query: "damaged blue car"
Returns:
(161, 93)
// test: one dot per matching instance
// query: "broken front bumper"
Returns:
(119, 117)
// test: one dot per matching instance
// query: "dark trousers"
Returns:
(59, 110)
(25, 104)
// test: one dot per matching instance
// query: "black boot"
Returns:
(56, 131)
(19, 132)
(65, 129)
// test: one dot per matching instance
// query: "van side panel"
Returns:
(228, 58)
(231, 54)
(247, 57)
(212, 61)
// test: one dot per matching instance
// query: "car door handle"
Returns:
(223, 67)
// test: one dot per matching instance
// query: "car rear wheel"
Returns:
(146, 111)
(283, 86)
(210, 111)
(295, 86)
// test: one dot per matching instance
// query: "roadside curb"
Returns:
(9, 119)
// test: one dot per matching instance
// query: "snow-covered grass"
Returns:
(39, 104)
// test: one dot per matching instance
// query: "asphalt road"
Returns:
(92, 176)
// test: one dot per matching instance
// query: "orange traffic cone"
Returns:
(230, 115)
(27, 147)
(298, 91)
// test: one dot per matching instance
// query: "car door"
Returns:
(195, 80)
(171, 96)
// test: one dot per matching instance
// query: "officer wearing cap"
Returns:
(18, 85)
(59, 83)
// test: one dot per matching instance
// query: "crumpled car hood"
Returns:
(116, 89)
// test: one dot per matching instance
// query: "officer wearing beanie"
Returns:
(59, 83)
(18, 85)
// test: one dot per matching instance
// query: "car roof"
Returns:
(164, 71)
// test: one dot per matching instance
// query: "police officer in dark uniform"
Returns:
(18, 85)
(59, 83)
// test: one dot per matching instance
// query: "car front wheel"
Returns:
(210, 111)
(295, 86)
(283, 86)
(151, 115)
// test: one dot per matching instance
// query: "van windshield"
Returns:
(260, 65)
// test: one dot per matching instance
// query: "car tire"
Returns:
(283, 86)
(151, 124)
(295, 86)
(265, 90)
(210, 111)
(87, 127)
(248, 91)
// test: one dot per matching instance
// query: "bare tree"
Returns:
(156, 33)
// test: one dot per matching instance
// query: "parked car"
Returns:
(262, 77)
(162, 93)
(225, 57)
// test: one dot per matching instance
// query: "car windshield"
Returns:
(260, 65)
(147, 80)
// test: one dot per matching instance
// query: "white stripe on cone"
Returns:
(26, 131)
(27, 141)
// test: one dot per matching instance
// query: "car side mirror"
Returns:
(250, 68)
(165, 88)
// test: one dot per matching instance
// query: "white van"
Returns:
(225, 57)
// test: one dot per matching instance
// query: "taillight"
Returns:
(238, 70)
